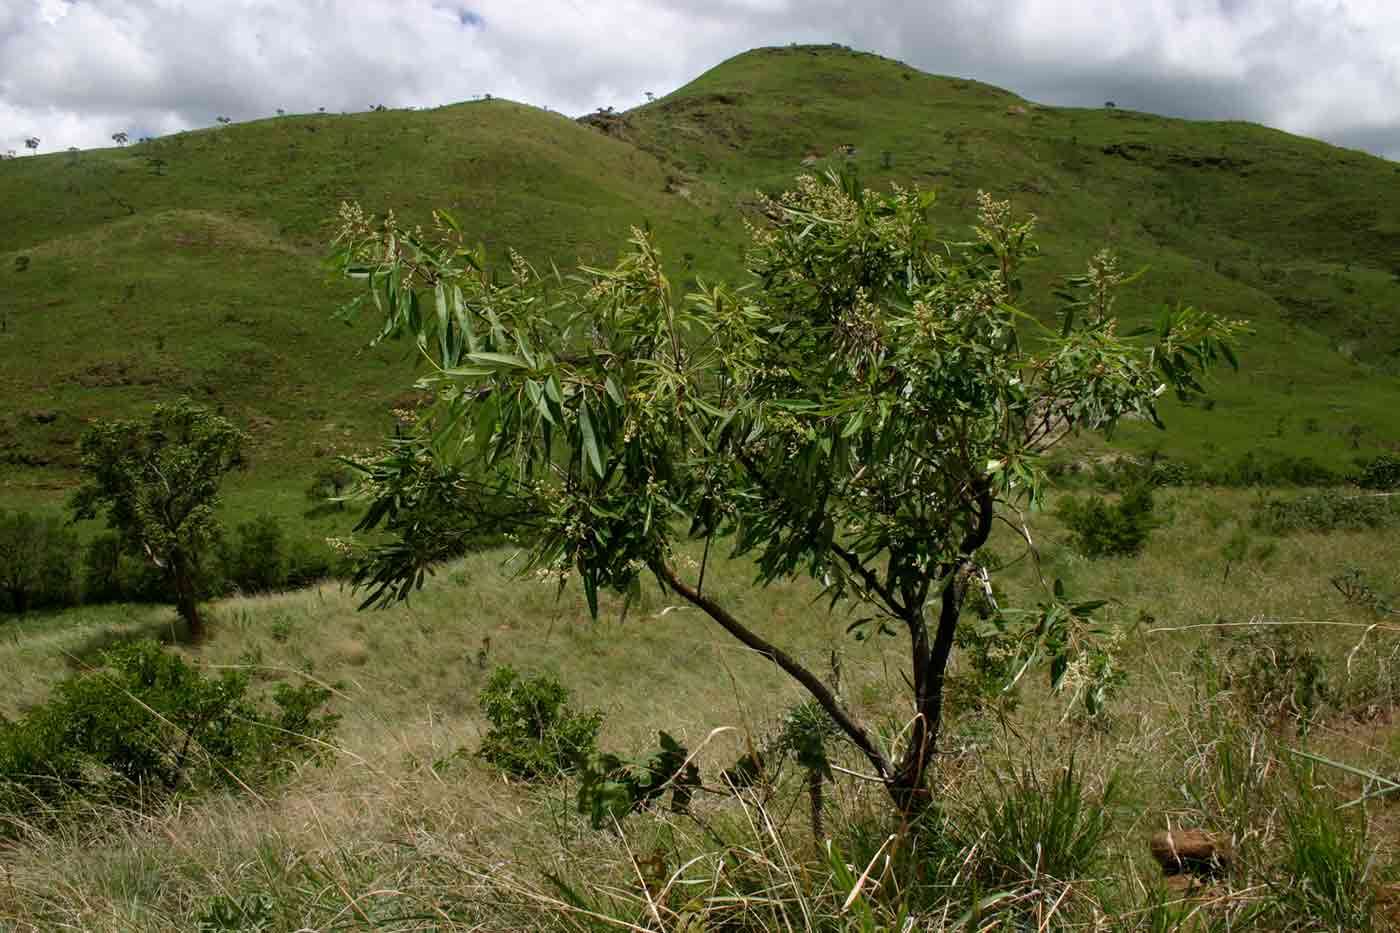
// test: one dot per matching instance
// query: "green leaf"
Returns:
(498, 360)
(590, 440)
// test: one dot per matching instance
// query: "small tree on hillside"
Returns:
(157, 484)
(32, 143)
(861, 415)
(119, 138)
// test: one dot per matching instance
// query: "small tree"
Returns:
(157, 484)
(119, 138)
(32, 143)
(861, 416)
(36, 560)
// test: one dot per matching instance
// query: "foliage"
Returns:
(1330, 510)
(1379, 473)
(36, 561)
(535, 733)
(1102, 529)
(156, 483)
(860, 415)
(256, 559)
(1275, 672)
(147, 724)
(113, 574)
(611, 787)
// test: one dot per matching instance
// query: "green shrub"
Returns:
(111, 574)
(36, 562)
(1276, 674)
(255, 559)
(1101, 529)
(147, 724)
(1380, 473)
(534, 733)
(611, 787)
(1330, 510)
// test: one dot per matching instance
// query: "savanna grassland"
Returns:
(1251, 681)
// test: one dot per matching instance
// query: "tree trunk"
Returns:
(814, 792)
(186, 601)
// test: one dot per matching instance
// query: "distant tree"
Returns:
(119, 138)
(224, 120)
(157, 484)
(320, 109)
(650, 96)
(1109, 104)
(281, 112)
(36, 560)
(860, 415)
(32, 142)
(10, 153)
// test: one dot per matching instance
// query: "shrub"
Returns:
(1102, 529)
(147, 724)
(112, 574)
(1330, 510)
(255, 560)
(1276, 674)
(611, 787)
(1381, 473)
(36, 555)
(534, 733)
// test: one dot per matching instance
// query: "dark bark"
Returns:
(186, 597)
(819, 691)
(815, 779)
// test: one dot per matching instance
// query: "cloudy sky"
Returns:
(72, 72)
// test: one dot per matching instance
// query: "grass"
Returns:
(202, 249)
(401, 832)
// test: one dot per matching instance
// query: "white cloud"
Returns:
(75, 71)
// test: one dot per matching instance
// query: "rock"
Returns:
(1191, 851)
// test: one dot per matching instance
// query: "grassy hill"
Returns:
(191, 264)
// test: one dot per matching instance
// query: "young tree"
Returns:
(157, 484)
(861, 415)
(32, 142)
(36, 560)
(119, 138)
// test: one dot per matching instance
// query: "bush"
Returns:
(147, 725)
(1331, 510)
(1380, 473)
(1102, 529)
(534, 733)
(255, 560)
(611, 787)
(36, 555)
(112, 574)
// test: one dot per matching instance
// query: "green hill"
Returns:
(191, 264)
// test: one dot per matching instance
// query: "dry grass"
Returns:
(398, 833)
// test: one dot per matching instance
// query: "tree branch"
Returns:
(819, 691)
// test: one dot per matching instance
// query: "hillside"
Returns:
(192, 264)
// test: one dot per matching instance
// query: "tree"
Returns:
(119, 138)
(32, 142)
(36, 560)
(224, 121)
(157, 484)
(862, 415)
